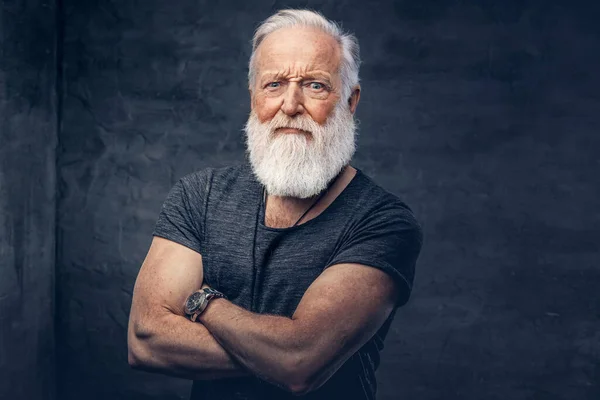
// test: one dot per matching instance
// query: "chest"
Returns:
(266, 270)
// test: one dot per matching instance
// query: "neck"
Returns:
(283, 211)
(291, 203)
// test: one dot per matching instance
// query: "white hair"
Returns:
(307, 18)
(293, 165)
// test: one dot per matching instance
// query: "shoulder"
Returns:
(220, 187)
(374, 198)
(376, 205)
(202, 180)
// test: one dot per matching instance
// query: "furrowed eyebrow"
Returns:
(317, 76)
(276, 76)
(320, 79)
(268, 77)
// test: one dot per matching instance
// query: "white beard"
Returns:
(293, 165)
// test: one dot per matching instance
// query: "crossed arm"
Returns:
(297, 354)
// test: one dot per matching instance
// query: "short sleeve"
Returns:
(181, 217)
(388, 238)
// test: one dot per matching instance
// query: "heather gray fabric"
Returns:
(219, 214)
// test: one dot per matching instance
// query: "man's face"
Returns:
(299, 133)
(297, 73)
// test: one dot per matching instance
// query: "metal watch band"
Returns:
(209, 294)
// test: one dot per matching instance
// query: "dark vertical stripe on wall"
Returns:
(28, 139)
(59, 85)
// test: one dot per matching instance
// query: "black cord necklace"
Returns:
(319, 197)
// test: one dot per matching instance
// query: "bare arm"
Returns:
(333, 320)
(160, 338)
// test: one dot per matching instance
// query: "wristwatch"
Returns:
(197, 302)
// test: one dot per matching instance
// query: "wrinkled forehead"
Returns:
(298, 50)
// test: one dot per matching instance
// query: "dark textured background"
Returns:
(28, 137)
(482, 115)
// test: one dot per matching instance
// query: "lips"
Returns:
(291, 130)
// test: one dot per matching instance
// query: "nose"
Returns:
(292, 103)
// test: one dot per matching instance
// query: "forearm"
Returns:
(173, 345)
(265, 344)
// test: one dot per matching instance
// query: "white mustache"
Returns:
(289, 165)
(304, 123)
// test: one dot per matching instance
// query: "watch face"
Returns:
(193, 302)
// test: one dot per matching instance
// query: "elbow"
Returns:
(137, 347)
(135, 354)
(301, 387)
(296, 385)
(300, 374)
(133, 359)
(298, 389)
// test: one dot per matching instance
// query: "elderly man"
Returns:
(279, 277)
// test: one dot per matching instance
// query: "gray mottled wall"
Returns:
(482, 115)
(27, 198)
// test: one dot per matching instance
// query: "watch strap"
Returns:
(208, 294)
(212, 293)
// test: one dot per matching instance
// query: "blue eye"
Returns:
(273, 85)
(316, 86)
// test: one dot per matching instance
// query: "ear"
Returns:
(354, 98)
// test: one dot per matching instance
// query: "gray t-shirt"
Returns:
(219, 214)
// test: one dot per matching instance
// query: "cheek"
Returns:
(319, 111)
(265, 108)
